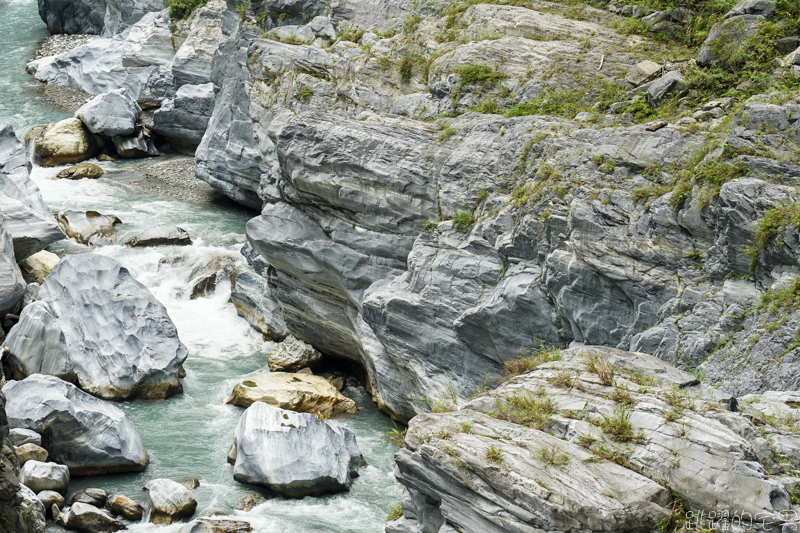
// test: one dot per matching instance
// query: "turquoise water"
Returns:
(189, 434)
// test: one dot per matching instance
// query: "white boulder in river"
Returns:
(89, 435)
(171, 501)
(111, 113)
(293, 454)
(39, 476)
(25, 215)
(93, 324)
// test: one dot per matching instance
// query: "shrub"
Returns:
(619, 426)
(494, 454)
(304, 92)
(396, 436)
(621, 395)
(463, 219)
(787, 297)
(479, 74)
(405, 68)
(527, 362)
(353, 35)
(395, 512)
(600, 366)
(530, 409)
(552, 455)
(180, 9)
(411, 22)
(447, 132)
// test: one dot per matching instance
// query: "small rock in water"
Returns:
(106, 157)
(95, 497)
(171, 501)
(206, 276)
(161, 234)
(124, 506)
(211, 525)
(190, 483)
(250, 501)
(90, 227)
(80, 171)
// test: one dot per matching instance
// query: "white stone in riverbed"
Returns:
(171, 501)
(39, 476)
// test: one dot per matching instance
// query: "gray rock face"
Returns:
(94, 324)
(25, 215)
(88, 435)
(94, 16)
(739, 24)
(12, 284)
(497, 473)
(171, 501)
(293, 454)
(183, 119)
(39, 476)
(22, 436)
(159, 235)
(112, 113)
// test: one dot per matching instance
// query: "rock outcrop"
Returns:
(184, 118)
(94, 16)
(293, 454)
(88, 435)
(93, 324)
(25, 215)
(12, 284)
(588, 442)
(291, 355)
(88, 227)
(159, 235)
(295, 392)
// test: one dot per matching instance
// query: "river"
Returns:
(189, 434)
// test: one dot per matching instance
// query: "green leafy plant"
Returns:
(304, 92)
(601, 367)
(552, 455)
(494, 454)
(528, 361)
(463, 219)
(395, 512)
(405, 68)
(619, 426)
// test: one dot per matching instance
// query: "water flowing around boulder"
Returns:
(95, 325)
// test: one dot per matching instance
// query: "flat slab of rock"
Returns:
(93, 324)
(80, 171)
(162, 234)
(111, 113)
(124, 506)
(171, 501)
(37, 267)
(25, 215)
(62, 143)
(302, 393)
(212, 525)
(88, 227)
(292, 354)
(643, 72)
(39, 476)
(293, 454)
(89, 435)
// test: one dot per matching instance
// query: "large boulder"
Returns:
(95, 325)
(734, 30)
(171, 501)
(293, 454)
(88, 227)
(39, 476)
(184, 118)
(25, 215)
(111, 113)
(89, 435)
(139, 145)
(62, 143)
(161, 234)
(292, 354)
(302, 393)
(94, 16)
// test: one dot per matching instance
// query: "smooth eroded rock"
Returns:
(124, 506)
(293, 454)
(38, 266)
(171, 501)
(95, 325)
(30, 452)
(161, 234)
(89, 435)
(89, 227)
(86, 517)
(302, 393)
(95, 497)
(80, 171)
